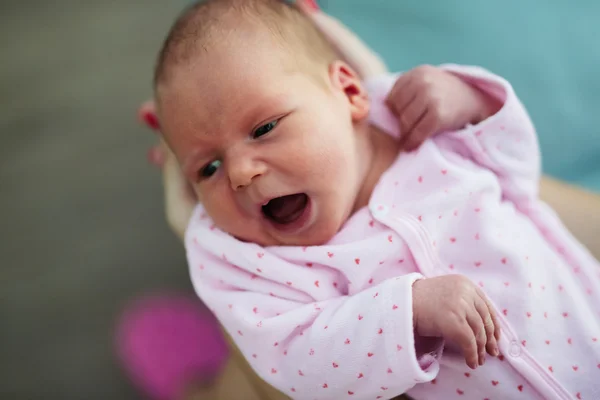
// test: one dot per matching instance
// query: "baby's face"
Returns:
(271, 152)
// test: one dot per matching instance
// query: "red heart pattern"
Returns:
(458, 256)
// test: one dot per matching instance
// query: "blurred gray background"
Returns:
(82, 226)
(81, 219)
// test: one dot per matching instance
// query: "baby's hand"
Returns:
(454, 308)
(428, 100)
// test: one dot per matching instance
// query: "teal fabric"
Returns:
(548, 49)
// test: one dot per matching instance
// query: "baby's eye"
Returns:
(263, 130)
(210, 169)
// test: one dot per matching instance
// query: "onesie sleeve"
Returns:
(505, 143)
(360, 346)
(378, 87)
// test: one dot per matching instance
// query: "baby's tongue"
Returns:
(286, 209)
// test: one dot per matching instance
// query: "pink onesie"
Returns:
(335, 321)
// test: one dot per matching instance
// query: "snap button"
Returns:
(380, 210)
(515, 349)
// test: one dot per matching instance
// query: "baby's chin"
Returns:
(318, 235)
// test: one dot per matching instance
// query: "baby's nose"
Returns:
(243, 172)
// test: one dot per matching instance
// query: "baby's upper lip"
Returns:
(265, 200)
(253, 200)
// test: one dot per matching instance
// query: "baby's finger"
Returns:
(147, 115)
(422, 131)
(476, 324)
(411, 115)
(462, 335)
(492, 313)
(483, 310)
(401, 95)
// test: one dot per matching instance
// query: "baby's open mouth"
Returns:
(286, 209)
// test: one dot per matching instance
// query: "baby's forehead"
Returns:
(270, 24)
(221, 69)
(229, 83)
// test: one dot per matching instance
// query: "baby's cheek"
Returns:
(227, 217)
(198, 193)
(218, 208)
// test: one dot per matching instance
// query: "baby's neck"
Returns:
(380, 151)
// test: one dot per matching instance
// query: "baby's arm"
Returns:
(427, 100)
(378, 342)
(445, 102)
(360, 345)
(505, 143)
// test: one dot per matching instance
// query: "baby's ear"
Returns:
(345, 79)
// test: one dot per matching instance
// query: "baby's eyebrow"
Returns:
(258, 112)
(191, 160)
(262, 108)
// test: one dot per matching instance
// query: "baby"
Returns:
(344, 269)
